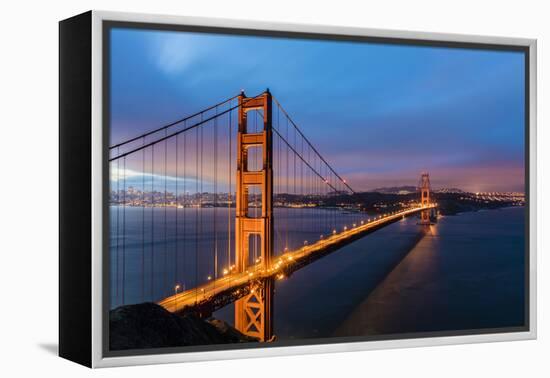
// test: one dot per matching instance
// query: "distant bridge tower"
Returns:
(253, 313)
(425, 198)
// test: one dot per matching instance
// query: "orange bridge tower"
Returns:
(253, 313)
(425, 198)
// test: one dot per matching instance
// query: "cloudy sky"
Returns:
(379, 113)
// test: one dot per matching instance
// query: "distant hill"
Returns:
(407, 189)
(396, 190)
(449, 190)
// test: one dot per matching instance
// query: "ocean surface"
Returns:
(467, 271)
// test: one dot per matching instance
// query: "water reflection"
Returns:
(465, 272)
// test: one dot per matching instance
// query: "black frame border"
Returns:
(75, 189)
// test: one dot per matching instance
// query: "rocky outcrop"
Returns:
(148, 325)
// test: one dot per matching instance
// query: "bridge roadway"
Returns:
(235, 284)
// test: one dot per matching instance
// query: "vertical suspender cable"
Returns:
(152, 223)
(176, 270)
(229, 191)
(124, 236)
(184, 209)
(294, 190)
(117, 228)
(287, 189)
(143, 226)
(197, 210)
(216, 196)
(165, 269)
(201, 180)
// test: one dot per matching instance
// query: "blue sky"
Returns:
(379, 113)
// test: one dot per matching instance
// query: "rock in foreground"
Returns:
(148, 325)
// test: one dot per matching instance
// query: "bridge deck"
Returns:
(288, 261)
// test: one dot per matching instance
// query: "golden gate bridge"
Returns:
(206, 215)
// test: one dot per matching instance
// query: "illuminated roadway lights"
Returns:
(209, 278)
(176, 288)
(333, 232)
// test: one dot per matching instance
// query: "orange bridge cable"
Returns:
(174, 123)
(311, 145)
(201, 122)
(301, 158)
(279, 107)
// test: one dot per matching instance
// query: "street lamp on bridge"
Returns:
(176, 288)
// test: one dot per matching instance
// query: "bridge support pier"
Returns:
(254, 312)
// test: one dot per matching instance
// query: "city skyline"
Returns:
(467, 105)
(171, 190)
